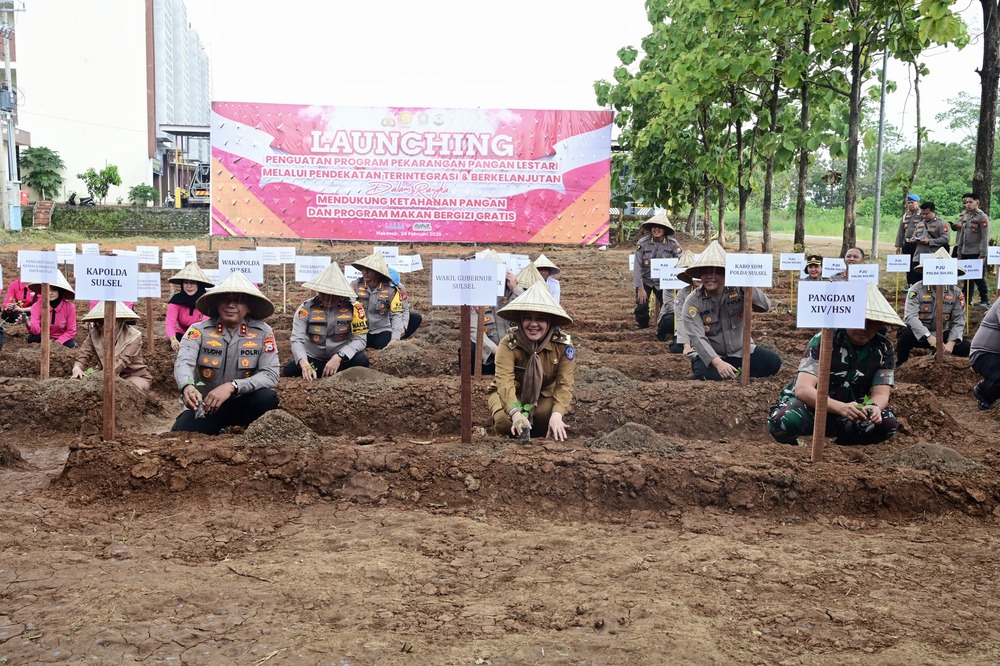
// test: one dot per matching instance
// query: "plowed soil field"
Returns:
(353, 526)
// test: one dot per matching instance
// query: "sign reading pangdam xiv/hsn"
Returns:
(402, 174)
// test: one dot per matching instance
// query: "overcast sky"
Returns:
(536, 54)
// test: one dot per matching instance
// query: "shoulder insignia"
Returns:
(561, 337)
(570, 353)
(269, 346)
(692, 312)
(301, 313)
(912, 294)
(192, 334)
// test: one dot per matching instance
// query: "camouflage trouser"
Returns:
(792, 419)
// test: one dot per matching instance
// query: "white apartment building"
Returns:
(97, 80)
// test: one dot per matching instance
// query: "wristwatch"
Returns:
(236, 386)
(343, 357)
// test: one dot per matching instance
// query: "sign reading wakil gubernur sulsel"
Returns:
(411, 174)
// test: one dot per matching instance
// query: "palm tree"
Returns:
(42, 166)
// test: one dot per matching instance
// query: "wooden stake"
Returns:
(284, 286)
(477, 366)
(747, 325)
(43, 372)
(897, 292)
(939, 321)
(108, 363)
(822, 394)
(150, 338)
(466, 350)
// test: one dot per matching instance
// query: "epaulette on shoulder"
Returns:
(510, 339)
(561, 337)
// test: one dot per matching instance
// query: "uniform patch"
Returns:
(269, 344)
(251, 335)
(207, 373)
(192, 334)
(913, 294)
(301, 313)
(249, 345)
(245, 362)
(213, 343)
(359, 311)
(570, 353)
(692, 312)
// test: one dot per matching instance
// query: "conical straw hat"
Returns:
(660, 219)
(545, 262)
(376, 262)
(712, 256)
(191, 273)
(122, 311)
(492, 254)
(528, 276)
(940, 254)
(61, 283)
(332, 281)
(878, 309)
(536, 298)
(235, 283)
(686, 259)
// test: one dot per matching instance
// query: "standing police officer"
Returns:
(658, 243)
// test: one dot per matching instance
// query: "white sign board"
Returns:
(90, 248)
(148, 254)
(172, 260)
(831, 304)
(631, 263)
(38, 267)
(352, 273)
(212, 274)
(657, 265)
(248, 262)
(973, 268)
(388, 251)
(269, 255)
(125, 253)
(458, 282)
(406, 263)
(993, 255)
(65, 252)
(792, 261)
(863, 272)
(749, 270)
(149, 285)
(898, 263)
(832, 266)
(286, 254)
(668, 278)
(940, 271)
(308, 267)
(188, 253)
(516, 262)
(100, 278)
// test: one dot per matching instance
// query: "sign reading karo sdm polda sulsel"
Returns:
(411, 174)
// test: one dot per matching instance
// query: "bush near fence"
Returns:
(124, 220)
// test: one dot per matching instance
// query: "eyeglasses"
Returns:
(712, 271)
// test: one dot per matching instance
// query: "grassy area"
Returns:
(819, 222)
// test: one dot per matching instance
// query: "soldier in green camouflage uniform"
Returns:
(861, 367)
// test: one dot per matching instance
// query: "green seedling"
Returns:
(524, 408)
(739, 372)
(867, 405)
(88, 372)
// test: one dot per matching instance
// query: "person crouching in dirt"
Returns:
(657, 243)
(129, 363)
(382, 300)
(712, 322)
(861, 378)
(227, 366)
(182, 309)
(17, 303)
(985, 357)
(62, 311)
(535, 363)
(330, 330)
(920, 312)
(411, 319)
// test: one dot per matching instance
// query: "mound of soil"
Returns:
(636, 438)
(931, 457)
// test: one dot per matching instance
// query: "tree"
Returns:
(98, 183)
(982, 175)
(42, 166)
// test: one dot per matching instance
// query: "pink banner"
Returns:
(418, 175)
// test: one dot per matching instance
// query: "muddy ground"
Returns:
(354, 527)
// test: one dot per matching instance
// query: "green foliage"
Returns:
(143, 195)
(41, 168)
(524, 408)
(99, 182)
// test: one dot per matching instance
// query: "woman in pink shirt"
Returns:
(17, 304)
(62, 313)
(181, 310)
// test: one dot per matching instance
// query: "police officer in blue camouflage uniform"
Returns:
(330, 330)
(862, 375)
(227, 366)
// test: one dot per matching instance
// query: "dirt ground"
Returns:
(353, 527)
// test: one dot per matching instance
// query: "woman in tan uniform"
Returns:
(129, 363)
(535, 362)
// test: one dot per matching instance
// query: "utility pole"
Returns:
(10, 195)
